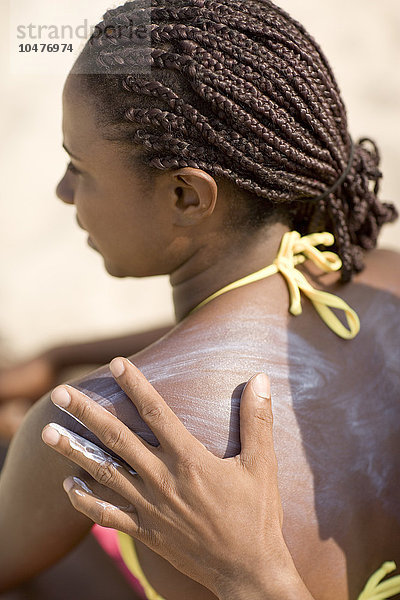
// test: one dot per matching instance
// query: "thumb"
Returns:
(256, 422)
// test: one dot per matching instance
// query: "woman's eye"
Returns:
(72, 169)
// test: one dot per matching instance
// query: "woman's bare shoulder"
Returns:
(200, 368)
(191, 368)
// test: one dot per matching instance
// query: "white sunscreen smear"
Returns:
(82, 484)
(85, 447)
(105, 505)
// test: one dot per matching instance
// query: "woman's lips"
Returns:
(89, 240)
(91, 243)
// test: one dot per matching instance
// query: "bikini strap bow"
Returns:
(293, 251)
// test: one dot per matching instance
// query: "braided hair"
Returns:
(241, 90)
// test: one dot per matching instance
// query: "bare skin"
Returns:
(177, 478)
(336, 408)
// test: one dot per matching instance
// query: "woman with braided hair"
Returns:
(209, 141)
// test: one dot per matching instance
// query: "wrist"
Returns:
(275, 580)
(287, 587)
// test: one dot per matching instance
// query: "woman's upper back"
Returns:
(335, 404)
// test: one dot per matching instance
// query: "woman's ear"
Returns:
(195, 196)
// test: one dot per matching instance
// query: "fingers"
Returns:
(126, 519)
(101, 512)
(256, 423)
(168, 429)
(109, 430)
(99, 464)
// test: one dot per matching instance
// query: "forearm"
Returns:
(102, 351)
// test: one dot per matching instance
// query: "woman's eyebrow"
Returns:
(70, 153)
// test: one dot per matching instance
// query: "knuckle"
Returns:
(114, 439)
(103, 515)
(152, 413)
(132, 386)
(165, 486)
(248, 460)
(104, 473)
(189, 466)
(152, 537)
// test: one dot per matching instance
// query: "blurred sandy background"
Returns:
(52, 286)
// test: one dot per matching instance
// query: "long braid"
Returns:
(241, 90)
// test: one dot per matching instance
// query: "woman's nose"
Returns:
(65, 190)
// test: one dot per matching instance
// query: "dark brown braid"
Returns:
(240, 89)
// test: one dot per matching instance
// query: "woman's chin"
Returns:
(111, 268)
(114, 270)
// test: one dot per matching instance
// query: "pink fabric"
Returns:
(108, 540)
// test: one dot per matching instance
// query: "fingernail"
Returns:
(261, 386)
(50, 436)
(60, 397)
(117, 367)
(68, 484)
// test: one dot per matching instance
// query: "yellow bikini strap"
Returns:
(293, 251)
(376, 589)
(131, 560)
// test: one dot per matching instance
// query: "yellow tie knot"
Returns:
(293, 251)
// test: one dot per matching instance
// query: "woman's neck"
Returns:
(221, 261)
